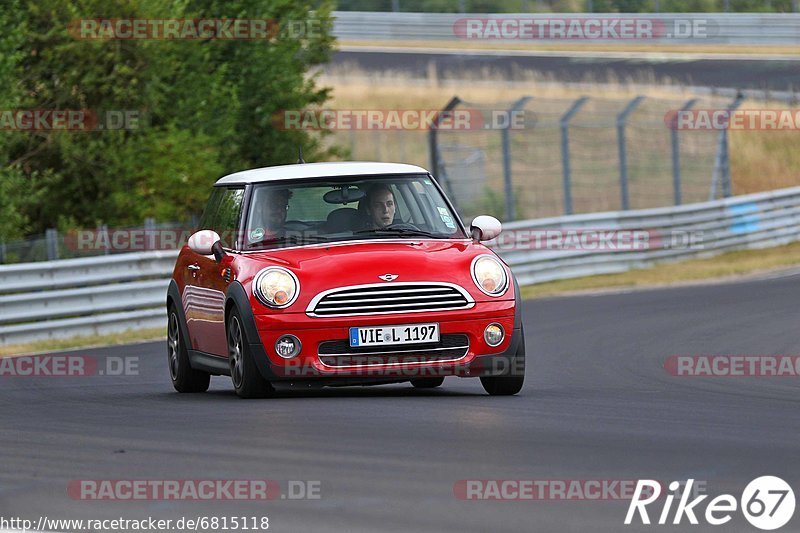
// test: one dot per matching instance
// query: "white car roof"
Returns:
(317, 170)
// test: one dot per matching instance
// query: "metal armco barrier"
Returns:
(675, 28)
(87, 296)
(751, 221)
(106, 294)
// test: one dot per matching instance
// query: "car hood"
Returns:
(323, 267)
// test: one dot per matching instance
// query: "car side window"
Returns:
(210, 211)
(226, 219)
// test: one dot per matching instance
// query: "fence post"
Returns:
(565, 156)
(433, 148)
(51, 241)
(722, 165)
(623, 155)
(150, 231)
(508, 181)
(676, 153)
(104, 238)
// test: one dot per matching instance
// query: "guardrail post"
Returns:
(2, 252)
(565, 156)
(623, 156)
(722, 166)
(676, 153)
(433, 148)
(506, 144)
(51, 242)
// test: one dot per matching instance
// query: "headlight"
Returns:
(276, 287)
(489, 275)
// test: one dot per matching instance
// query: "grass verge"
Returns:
(126, 337)
(594, 47)
(723, 266)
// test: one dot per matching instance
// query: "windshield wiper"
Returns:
(292, 239)
(400, 231)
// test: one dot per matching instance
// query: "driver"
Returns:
(380, 206)
(274, 211)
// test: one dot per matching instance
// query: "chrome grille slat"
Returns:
(388, 298)
(389, 305)
(411, 290)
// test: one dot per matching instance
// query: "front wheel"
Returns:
(247, 381)
(184, 377)
(511, 380)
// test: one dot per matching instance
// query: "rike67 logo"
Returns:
(767, 503)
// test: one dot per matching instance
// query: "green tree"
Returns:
(206, 109)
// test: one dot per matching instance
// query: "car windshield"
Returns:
(363, 207)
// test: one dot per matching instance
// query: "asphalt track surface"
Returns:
(736, 72)
(597, 404)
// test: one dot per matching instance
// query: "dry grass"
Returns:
(627, 47)
(127, 337)
(760, 160)
(764, 160)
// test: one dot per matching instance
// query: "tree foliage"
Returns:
(206, 108)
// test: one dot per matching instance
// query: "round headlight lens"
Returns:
(489, 275)
(276, 287)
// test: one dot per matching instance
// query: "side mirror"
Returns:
(485, 228)
(207, 242)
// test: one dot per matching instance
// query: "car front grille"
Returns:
(385, 298)
(338, 353)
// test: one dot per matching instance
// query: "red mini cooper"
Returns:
(341, 274)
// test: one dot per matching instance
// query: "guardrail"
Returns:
(750, 221)
(87, 296)
(107, 294)
(699, 28)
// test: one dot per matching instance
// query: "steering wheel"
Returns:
(402, 225)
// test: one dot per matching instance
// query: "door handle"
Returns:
(193, 267)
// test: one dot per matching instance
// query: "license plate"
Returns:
(385, 335)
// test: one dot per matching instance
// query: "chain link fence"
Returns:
(530, 158)
(565, 155)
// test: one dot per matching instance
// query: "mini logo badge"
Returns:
(389, 277)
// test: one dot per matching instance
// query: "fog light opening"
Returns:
(493, 334)
(287, 346)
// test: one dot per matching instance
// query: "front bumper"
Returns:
(479, 359)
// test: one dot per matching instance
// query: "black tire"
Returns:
(511, 381)
(427, 383)
(184, 377)
(247, 380)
